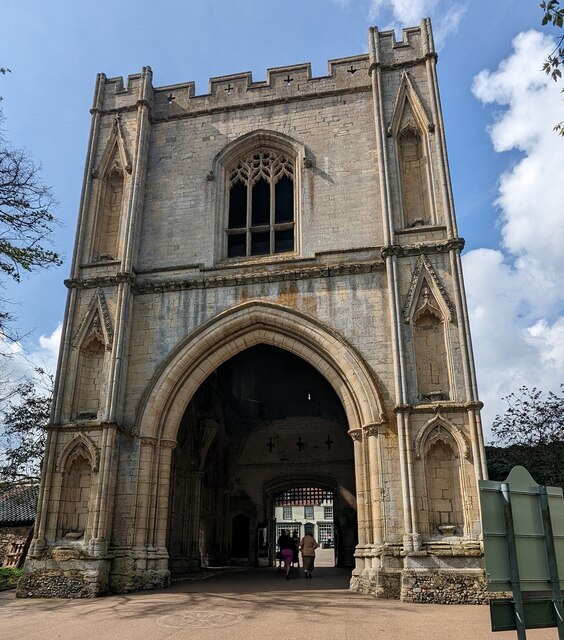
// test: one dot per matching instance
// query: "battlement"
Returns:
(350, 74)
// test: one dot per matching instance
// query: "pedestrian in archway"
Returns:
(296, 539)
(308, 545)
(286, 546)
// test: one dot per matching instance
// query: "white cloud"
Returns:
(22, 361)
(515, 294)
(446, 15)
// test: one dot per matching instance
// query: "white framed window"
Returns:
(286, 513)
(308, 512)
(328, 513)
(290, 526)
(324, 532)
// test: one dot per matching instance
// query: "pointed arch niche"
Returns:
(112, 170)
(429, 311)
(409, 128)
(442, 449)
(92, 341)
(76, 464)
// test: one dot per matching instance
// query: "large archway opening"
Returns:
(262, 423)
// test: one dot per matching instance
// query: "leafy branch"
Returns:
(554, 15)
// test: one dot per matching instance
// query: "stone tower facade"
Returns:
(266, 294)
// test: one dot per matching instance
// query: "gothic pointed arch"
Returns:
(93, 339)
(442, 448)
(259, 138)
(81, 445)
(112, 168)
(96, 322)
(408, 102)
(440, 428)
(425, 275)
(259, 192)
(409, 127)
(245, 325)
(429, 312)
(115, 153)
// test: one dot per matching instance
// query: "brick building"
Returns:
(266, 294)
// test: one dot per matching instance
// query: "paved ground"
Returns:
(252, 605)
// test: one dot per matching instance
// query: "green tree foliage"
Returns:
(24, 419)
(554, 15)
(26, 218)
(530, 433)
(543, 461)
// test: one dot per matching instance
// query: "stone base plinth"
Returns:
(64, 577)
(438, 573)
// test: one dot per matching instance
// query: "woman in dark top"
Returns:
(286, 546)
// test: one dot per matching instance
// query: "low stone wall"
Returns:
(64, 573)
(55, 584)
(440, 586)
(379, 583)
(445, 587)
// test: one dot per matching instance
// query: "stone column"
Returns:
(361, 489)
(144, 484)
(375, 482)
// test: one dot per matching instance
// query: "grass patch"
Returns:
(9, 577)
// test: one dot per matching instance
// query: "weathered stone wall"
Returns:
(169, 308)
(10, 536)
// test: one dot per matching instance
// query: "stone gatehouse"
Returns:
(266, 297)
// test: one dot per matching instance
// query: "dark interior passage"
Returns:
(262, 422)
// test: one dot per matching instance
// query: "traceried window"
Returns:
(261, 219)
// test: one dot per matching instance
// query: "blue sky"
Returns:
(502, 150)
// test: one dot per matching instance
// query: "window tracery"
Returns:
(261, 211)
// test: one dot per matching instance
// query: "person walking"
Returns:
(308, 545)
(286, 546)
(296, 539)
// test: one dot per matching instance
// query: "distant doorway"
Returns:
(240, 537)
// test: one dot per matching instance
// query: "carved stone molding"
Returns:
(166, 444)
(148, 441)
(423, 247)
(99, 281)
(373, 429)
(83, 445)
(440, 428)
(250, 276)
(437, 407)
(356, 434)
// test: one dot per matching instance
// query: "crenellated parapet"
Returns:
(282, 84)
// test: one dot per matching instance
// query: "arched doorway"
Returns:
(263, 420)
(189, 370)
